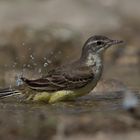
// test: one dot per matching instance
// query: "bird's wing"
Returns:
(60, 79)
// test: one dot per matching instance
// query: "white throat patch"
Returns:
(95, 61)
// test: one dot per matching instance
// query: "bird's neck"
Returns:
(95, 61)
(92, 59)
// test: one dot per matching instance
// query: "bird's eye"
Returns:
(100, 42)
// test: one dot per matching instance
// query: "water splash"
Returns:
(45, 64)
(32, 57)
(18, 80)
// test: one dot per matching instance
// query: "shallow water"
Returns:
(89, 103)
(92, 113)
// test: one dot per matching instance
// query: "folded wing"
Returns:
(60, 79)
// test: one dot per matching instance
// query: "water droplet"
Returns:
(18, 80)
(45, 64)
(32, 57)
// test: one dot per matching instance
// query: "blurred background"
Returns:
(38, 35)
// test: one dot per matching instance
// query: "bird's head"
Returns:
(98, 44)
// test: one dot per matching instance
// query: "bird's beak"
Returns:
(115, 42)
(109, 44)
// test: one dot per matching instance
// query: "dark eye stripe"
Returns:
(100, 42)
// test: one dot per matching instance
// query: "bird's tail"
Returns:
(8, 92)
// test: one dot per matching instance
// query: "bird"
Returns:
(68, 81)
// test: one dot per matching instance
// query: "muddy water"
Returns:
(37, 121)
(89, 103)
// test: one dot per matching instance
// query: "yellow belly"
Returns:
(52, 97)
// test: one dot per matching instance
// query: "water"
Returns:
(88, 103)
(18, 80)
(97, 113)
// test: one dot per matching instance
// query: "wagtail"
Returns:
(68, 81)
